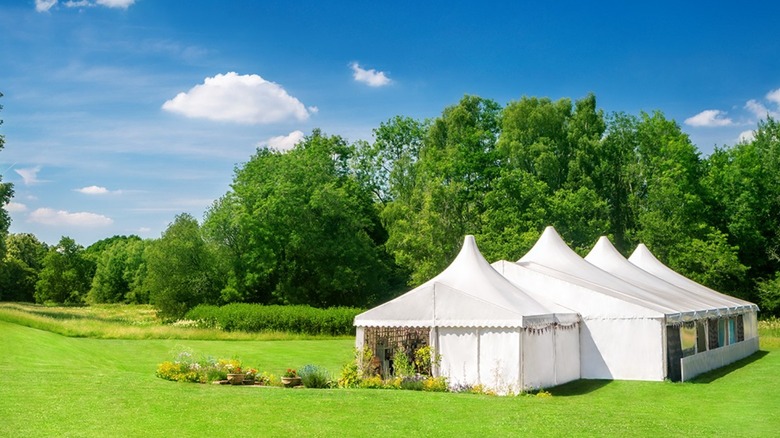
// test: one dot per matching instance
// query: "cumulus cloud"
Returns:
(248, 99)
(746, 136)
(760, 110)
(774, 96)
(369, 77)
(48, 216)
(29, 175)
(284, 142)
(96, 190)
(709, 118)
(45, 5)
(123, 4)
(16, 207)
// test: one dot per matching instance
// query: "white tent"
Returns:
(726, 333)
(622, 330)
(488, 331)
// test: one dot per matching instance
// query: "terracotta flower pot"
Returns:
(291, 382)
(236, 379)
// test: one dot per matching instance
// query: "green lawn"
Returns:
(51, 385)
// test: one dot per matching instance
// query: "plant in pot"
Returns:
(235, 376)
(290, 378)
(249, 376)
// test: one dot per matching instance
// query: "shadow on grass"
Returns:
(578, 387)
(715, 374)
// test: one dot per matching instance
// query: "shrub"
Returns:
(373, 382)
(334, 321)
(402, 366)
(435, 384)
(313, 376)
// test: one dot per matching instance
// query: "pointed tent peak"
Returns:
(469, 254)
(603, 248)
(642, 253)
(551, 249)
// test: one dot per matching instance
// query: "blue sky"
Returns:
(120, 114)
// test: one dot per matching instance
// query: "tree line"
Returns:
(332, 223)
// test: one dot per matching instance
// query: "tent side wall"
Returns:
(567, 354)
(508, 360)
(623, 349)
(712, 358)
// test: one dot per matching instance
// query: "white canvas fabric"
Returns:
(622, 330)
(468, 293)
(480, 322)
(643, 258)
(687, 305)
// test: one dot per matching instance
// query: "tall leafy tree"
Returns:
(6, 193)
(66, 274)
(117, 267)
(19, 271)
(456, 166)
(301, 229)
(181, 269)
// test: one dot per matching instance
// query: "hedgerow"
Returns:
(333, 321)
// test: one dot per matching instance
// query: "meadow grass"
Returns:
(51, 385)
(123, 321)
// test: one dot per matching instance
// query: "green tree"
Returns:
(301, 229)
(66, 274)
(181, 269)
(19, 270)
(6, 193)
(455, 169)
(116, 271)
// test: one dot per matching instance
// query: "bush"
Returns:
(334, 321)
(313, 376)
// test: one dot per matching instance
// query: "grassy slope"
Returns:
(52, 385)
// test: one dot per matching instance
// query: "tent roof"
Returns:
(551, 256)
(689, 305)
(643, 258)
(468, 293)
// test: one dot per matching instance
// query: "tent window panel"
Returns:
(732, 331)
(701, 337)
(673, 353)
(721, 332)
(712, 333)
(688, 339)
(740, 328)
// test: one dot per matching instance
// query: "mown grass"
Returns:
(51, 385)
(119, 321)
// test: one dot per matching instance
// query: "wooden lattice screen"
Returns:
(384, 341)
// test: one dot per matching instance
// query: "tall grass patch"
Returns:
(334, 321)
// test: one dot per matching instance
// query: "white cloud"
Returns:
(774, 96)
(44, 5)
(746, 136)
(760, 110)
(97, 190)
(124, 4)
(15, 207)
(144, 230)
(248, 99)
(48, 216)
(370, 77)
(29, 175)
(284, 142)
(709, 118)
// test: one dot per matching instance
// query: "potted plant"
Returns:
(235, 376)
(249, 376)
(290, 378)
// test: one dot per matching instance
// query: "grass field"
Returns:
(52, 385)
